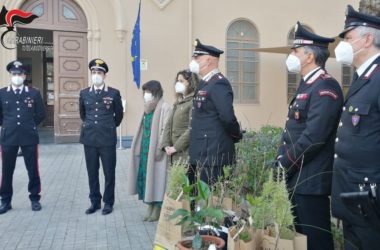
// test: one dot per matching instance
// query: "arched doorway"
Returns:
(58, 67)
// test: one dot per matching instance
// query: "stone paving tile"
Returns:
(62, 223)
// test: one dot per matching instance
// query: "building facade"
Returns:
(78, 30)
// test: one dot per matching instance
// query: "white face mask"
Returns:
(194, 67)
(293, 64)
(344, 52)
(148, 97)
(97, 79)
(180, 88)
(17, 80)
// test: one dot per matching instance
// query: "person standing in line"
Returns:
(177, 129)
(21, 110)
(101, 111)
(307, 144)
(147, 169)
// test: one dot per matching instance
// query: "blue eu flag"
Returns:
(135, 50)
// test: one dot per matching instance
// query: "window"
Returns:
(347, 73)
(293, 78)
(243, 65)
(38, 10)
(68, 13)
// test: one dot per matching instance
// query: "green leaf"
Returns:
(203, 190)
(179, 212)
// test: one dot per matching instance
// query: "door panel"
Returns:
(70, 67)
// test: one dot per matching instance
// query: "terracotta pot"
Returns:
(219, 242)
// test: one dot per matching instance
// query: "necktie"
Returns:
(98, 91)
(17, 91)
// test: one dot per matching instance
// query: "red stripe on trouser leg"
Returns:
(38, 169)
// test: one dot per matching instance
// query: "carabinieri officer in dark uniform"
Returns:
(101, 111)
(21, 110)
(214, 128)
(307, 146)
(357, 147)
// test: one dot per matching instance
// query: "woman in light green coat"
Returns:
(177, 130)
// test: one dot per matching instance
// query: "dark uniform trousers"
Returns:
(19, 116)
(214, 129)
(307, 150)
(101, 113)
(357, 158)
(108, 158)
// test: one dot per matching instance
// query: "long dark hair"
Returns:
(191, 78)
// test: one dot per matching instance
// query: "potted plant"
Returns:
(203, 216)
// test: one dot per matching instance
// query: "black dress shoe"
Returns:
(36, 206)
(92, 209)
(107, 209)
(4, 207)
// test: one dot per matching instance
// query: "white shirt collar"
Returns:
(366, 64)
(100, 87)
(20, 88)
(210, 74)
(310, 73)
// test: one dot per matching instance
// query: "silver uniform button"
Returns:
(96, 109)
(344, 108)
(18, 123)
(205, 135)
(337, 139)
(96, 103)
(18, 116)
(365, 179)
(284, 143)
(17, 102)
(18, 109)
(340, 124)
(335, 156)
(96, 122)
(284, 130)
(96, 115)
(357, 109)
(287, 118)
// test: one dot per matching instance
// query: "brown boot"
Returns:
(148, 212)
(155, 214)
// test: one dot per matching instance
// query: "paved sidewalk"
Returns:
(62, 223)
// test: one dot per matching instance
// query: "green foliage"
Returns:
(204, 213)
(337, 236)
(255, 153)
(273, 205)
(176, 178)
(245, 236)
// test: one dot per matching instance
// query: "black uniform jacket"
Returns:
(357, 147)
(20, 115)
(213, 124)
(101, 114)
(307, 145)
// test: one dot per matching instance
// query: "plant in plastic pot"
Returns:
(203, 216)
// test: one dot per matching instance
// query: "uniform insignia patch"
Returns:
(202, 93)
(355, 120)
(328, 92)
(302, 96)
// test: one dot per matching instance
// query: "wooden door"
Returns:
(70, 76)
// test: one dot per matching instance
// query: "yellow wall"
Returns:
(167, 34)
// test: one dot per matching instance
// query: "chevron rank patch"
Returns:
(328, 92)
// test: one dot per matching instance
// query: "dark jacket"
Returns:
(357, 144)
(307, 145)
(101, 114)
(177, 129)
(20, 115)
(213, 124)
